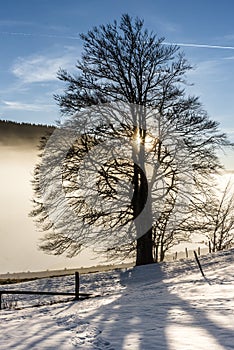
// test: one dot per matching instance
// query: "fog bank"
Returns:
(18, 233)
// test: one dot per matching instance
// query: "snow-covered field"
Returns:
(162, 306)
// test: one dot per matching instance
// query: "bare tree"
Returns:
(128, 93)
(172, 227)
(217, 218)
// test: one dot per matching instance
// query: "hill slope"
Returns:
(162, 306)
(18, 134)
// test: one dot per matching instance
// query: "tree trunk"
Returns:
(141, 199)
(145, 249)
(162, 254)
(156, 252)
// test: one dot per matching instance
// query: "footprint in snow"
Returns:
(90, 335)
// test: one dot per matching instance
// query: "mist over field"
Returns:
(18, 233)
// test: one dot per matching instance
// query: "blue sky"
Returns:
(39, 36)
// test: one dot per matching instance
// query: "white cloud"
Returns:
(19, 106)
(163, 24)
(205, 69)
(229, 58)
(229, 37)
(229, 131)
(39, 68)
(11, 23)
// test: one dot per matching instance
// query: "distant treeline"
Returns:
(13, 133)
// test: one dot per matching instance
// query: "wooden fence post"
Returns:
(186, 252)
(77, 285)
(199, 265)
(199, 251)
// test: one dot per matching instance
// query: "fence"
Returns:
(76, 293)
(186, 253)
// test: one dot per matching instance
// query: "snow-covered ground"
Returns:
(162, 306)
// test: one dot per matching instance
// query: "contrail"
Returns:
(41, 35)
(206, 46)
(73, 37)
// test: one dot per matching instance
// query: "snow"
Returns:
(161, 306)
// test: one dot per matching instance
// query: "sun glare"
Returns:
(149, 141)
